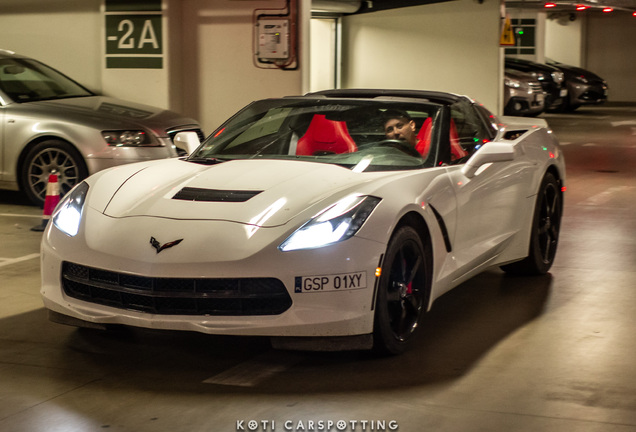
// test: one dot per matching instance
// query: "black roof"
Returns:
(433, 96)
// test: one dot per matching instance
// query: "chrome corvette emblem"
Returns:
(155, 244)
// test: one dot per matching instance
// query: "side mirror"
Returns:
(187, 141)
(489, 153)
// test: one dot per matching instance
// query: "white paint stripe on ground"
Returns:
(607, 195)
(20, 215)
(8, 261)
(252, 372)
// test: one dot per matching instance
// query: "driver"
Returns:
(398, 125)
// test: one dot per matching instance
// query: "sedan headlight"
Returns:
(68, 214)
(336, 223)
(509, 82)
(127, 138)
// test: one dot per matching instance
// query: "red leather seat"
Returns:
(424, 137)
(325, 136)
(457, 152)
(424, 140)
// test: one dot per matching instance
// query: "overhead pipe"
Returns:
(335, 6)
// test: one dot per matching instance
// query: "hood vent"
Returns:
(214, 195)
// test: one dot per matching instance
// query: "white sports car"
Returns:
(327, 221)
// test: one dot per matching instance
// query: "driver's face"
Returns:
(400, 129)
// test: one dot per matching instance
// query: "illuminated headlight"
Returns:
(557, 77)
(581, 78)
(509, 82)
(334, 224)
(68, 214)
(126, 138)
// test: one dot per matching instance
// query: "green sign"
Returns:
(133, 34)
(134, 37)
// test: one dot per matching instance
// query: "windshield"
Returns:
(362, 135)
(25, 80)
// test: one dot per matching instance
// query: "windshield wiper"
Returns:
(207, 160)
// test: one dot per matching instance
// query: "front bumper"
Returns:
(126, 250)
(110, 157)
(588, 94)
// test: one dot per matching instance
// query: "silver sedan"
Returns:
(50, 123)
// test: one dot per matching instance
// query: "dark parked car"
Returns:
(523, 94)
(584, 87)
(552, 80)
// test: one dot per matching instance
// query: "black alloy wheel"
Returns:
(546, 226)
(46, 158)
(402, 292)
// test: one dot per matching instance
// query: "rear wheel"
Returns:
(402, 291)
(546, 226)
(48, 157)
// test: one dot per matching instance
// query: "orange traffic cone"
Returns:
(50, 201)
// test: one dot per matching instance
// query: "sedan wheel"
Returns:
(402, 292)
(50, 157)
(546, 226)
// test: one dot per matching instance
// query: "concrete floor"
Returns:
(554, 353)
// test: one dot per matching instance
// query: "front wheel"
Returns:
(402, 291)
(48, 157)
(544, 237)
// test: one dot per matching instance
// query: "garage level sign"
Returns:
(134, 38)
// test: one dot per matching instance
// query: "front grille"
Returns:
(176, 296)
(535, 87)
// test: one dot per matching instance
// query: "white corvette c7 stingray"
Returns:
(326, 221)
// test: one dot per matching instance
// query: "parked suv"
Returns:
(50, 123)
(552, 80)
(523, 94)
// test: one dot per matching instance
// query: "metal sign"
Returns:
(134, 34)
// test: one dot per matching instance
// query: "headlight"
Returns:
(512, 83)
(127, 138)
(334, 224)
(68, 213)
(581, 78)
(557, 77)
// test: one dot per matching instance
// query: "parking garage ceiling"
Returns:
(366, 6)
(624, 5)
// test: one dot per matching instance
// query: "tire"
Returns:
(402, 292)
(544, 237)
(45, 158)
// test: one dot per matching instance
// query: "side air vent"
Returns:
(214, 195)
(514, 134)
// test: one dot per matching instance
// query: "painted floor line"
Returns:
(8, 261)
(607, 195)
(20, 215)
(256, 370)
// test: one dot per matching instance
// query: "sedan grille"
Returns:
(535, 87)
(176, 296)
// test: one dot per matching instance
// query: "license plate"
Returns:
(564, 92)
(324, 283)
(538, 98)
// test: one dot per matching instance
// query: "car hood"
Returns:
(265, 193)
(577, 71)
(105, 112)
(517, 74)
